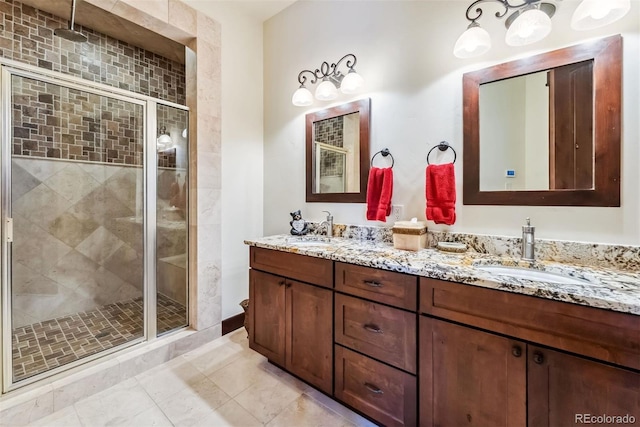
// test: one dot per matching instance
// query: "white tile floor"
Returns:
(223, 383)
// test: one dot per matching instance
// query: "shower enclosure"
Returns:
(94, 214)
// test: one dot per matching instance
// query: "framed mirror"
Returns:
(545, 130)
(337, 153)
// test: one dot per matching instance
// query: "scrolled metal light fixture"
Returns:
(331, 78)
(529, 23)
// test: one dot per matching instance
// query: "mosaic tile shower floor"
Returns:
(46, 345)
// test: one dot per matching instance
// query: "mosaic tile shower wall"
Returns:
(330, 132)
(26, 35)
(63, 123)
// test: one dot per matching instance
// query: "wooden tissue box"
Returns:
(411, 236)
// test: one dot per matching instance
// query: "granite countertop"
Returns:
(601, 288)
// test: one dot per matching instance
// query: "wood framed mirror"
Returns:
(337, 153)
(545, 130)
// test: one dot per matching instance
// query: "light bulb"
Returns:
(592, 14)
(302, 97)
(473, 42)
(529, 27)
(352, 82)
(326, 91)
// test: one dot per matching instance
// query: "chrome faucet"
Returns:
(328, 223)
(528, 242)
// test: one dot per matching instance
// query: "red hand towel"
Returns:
(441, 193)
(379, 193)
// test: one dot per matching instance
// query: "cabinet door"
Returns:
(565, 389)
(469, 377)
(267, 315)
(309, 334)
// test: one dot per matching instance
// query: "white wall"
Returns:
(502, 123)
(404, 52)
(242, 144)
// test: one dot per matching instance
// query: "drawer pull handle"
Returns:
(373, 283)
(373, 328)
(373, 389)
(538, 357)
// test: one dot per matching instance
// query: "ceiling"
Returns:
(260, 10)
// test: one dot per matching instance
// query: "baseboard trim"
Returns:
(232, 323)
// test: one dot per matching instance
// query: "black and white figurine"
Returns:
(299, 226)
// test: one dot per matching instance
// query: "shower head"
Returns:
(70, 33)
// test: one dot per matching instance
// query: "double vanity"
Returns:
(448, 339)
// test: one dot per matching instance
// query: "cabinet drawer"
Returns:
(388, 287)
(602, 334)
(385, 394)
(308, 269)
(382, 332)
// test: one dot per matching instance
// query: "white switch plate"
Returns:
(397, 212)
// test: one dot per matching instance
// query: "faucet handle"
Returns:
(329, 216)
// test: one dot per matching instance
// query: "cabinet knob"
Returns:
(282, 283)
(373, 389)
(373, 283)
(516, 350)
(373, 328)
(538, 357)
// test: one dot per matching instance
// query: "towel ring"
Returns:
(385, 152)
(443, 146)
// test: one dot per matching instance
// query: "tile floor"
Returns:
(45, 345)
(222, 383)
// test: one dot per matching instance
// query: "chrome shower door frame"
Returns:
(150, 168)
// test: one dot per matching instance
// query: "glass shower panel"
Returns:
(171, 218)
(77, 193)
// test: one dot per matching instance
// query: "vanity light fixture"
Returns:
(529, 23)
(164, 140)
(331, 79)
(592, 14)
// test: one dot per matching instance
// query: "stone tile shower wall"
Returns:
(26, 35)
(77, 237)
(64, 123)
(330, 131)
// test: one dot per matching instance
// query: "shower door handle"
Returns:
(9, 230)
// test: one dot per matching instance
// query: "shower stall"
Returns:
(94, 203)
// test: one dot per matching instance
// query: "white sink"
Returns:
(531, 274)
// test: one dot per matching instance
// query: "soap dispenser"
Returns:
(528, 242)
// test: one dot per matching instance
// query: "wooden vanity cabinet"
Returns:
(470, 376)
(481, 357)
(291, 322)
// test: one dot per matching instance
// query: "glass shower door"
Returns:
(76, 199)
(171, 218)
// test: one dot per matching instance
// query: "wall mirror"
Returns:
(545, 130)
(337, 153)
